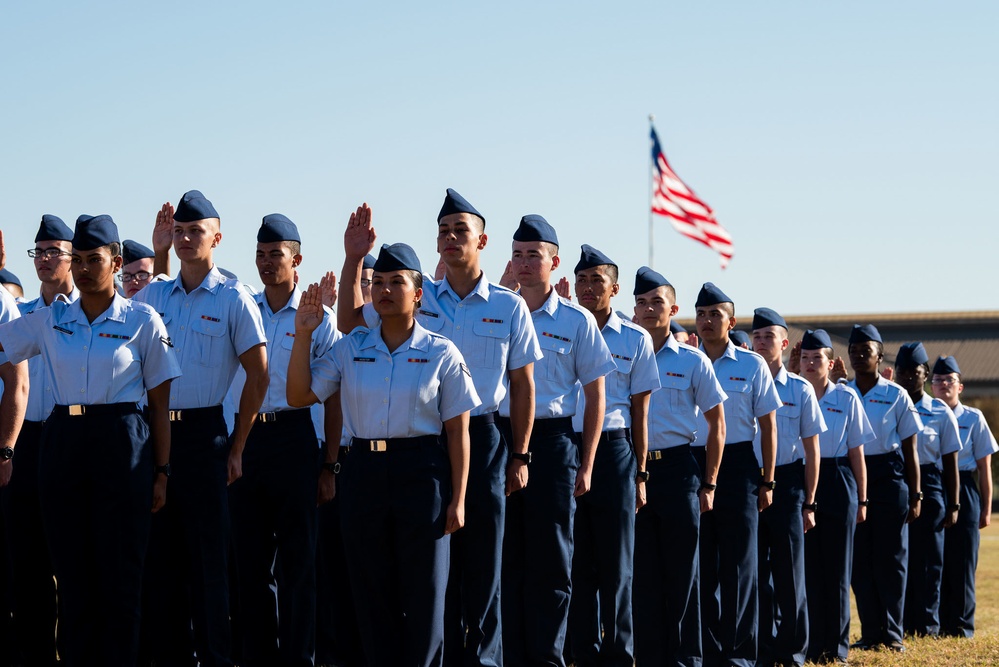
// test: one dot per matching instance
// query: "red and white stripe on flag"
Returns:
(687, 212)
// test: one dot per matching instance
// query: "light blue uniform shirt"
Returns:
(402, 394)
(631, 348)
(798, 417)
(8, 312)
(891, 413)
(114, 359)
(977, 440)
(280, 330)
(40, 399)
(847, 425)
(751, 393)
(491, 327)
(573, 351)
(210, 327)
(689, 387)
(939, 434)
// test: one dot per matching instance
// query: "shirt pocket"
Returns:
(208, 339)
(558, 359)
(430, 320)
(678, 388)
(484, 347)
(789, 420)
(739, 403)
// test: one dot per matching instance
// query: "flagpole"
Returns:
(648, 201)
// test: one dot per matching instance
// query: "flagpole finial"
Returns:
(652, 118)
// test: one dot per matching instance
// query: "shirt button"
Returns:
(386, 379)
(83, 368)
(83, 391)
(84, 347)
(384, 400)
(458, 327)
(181, 327)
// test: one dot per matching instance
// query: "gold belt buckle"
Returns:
(267, 417)
(175, 415)
(77, 410)
(655, 455)
(378, 445)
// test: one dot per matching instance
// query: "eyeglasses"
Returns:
(365, 282)
(944, 381)
(141, 276)
(48, 253)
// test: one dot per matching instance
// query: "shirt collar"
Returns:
(781, 376)
(211, 282)
(420, 340)
(65, 298)
(614, 322)
(551, 304)
(261, 298)
(115, 312)
(481, 288)
(671, 344)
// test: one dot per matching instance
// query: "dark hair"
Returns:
(417, 279)
(114, 249)
(295, 247)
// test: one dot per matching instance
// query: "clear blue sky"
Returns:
(850, 148)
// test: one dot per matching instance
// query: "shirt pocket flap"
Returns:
(491, 329)
(213, 328)
(735, 386)
(288, 341)
(554, 343)
(680, 382)
(789, 410)
(624, 364)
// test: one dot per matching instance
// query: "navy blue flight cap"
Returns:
(862, 334)
(767, 317)
(816, 340)
(675, 327)
(647, 280)
(9, 278)
(710, 295)
(455, 203)
(912, 354)
(740, 337)
(53, 228)
(94, 231)
(276, 227)
(590, 257)
(397, 257)
(194, 206)
(369, 262)
(535, 228)
(946, 366)
(133, 252)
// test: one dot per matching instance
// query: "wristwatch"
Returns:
(707, 487)
(6, 454)
(864, 503)
(643, 475)
(915, 497)
(163, 470)
(772, 484)
(332, 467)
(956, 507)
(812, 507)
(525, 457)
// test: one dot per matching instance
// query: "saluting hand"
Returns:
(327, 288)
(888, 373)
(159, 492)
(310, 310)
(163, 229)
(838, 371)
(507, 280)
(440, 271)
(562, 288)
(455, 517)
(359, 237)
(794, 361)
(693, 340)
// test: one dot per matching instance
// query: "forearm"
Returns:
(332, 427)
(811, 445)
(13, 402)
(640, 427)
(250, 401)
(859, 467)
(159, 422)
(350, 313)
(458, 454)
(715, 445)
(298, 387)
(768, 444)
(911, 464)
(521, 408)
(161, 262)
(593, 422)
(985, 484)
(952, 479)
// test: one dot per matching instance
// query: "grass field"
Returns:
(983, 649)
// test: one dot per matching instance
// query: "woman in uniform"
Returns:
(842, 503)
(102, 466)
(404, 492)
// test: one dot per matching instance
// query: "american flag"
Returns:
(687, 212)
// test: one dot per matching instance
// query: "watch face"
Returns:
(7, 453)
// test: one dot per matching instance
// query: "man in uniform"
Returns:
(273, 505)
(137, 272)
(667, 608)
(33, 588)
(728, 538)
(537, 551)
(214, 326)
(492, 329)
(783, 636)
(600, 618)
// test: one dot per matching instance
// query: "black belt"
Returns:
(195, 414)
(787, 467)
(395, 444)
(95, 410)
(615, 434)
(669, 452)
(882, 458)
(482, 420)
(554, 425)
(834, 461)
(284, 416)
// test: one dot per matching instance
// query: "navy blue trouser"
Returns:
(393, 514)
(338, 639)
(472, 621)
(957, 604)
(186, 587)
(783, 613)
(728, 553)
(537, 549)
(666, 598)
(95, 477)
(600, 625)
(273, 511)
(926, 554)
(32, 588)
(880, 552)
(829, 560)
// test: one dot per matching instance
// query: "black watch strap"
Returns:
(163, 470)
(812, 507)
(956, 507)
(6, 454)
(772, 484)
(707, 487)
(332, 467)
(643, 475)
(525, 457)
(915, 497)
(864, 503)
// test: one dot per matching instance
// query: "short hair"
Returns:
(295, 247)
(828, 352)
(114, 249)
(671, 294)
(551, 248)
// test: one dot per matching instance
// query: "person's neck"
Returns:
(819, 385)
(715, 348)
(397, 329)
(954, 404)
(775, 367)
(917, 395)
(192, 273)
(463, 278)
(659, 337)
(51, 290)
(536, 295)
(94, 305)
(866, 381)
(278, 295)
(601, 316)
